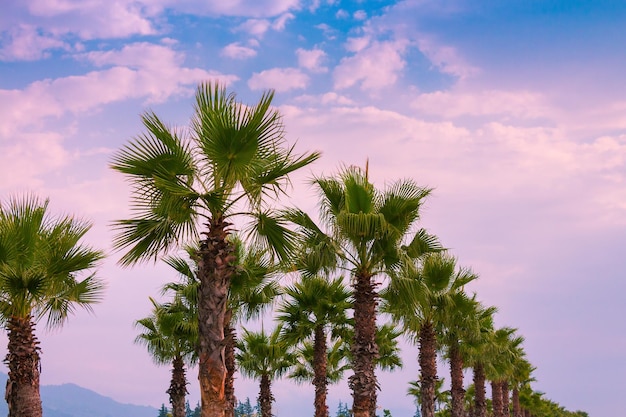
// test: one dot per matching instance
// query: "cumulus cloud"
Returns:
(450, 104)
(93, 19)
(281, 22)
(128, 73)
(27, 43)
(237, 51)
(254, 27)
(279, 79)
(446, 58)
(311, 59)
(374, 67)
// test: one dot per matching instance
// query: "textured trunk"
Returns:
(265, 396)
(456, 377)
(22, 390)
(504, 388)
(178, 388)
(320, 380)
(480, 402)
(229, 359)
(215, 268)
(364, 349)
(517, 411)
(496, 399)
(428, 368)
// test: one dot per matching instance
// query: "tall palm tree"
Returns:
(421, 298)
(40, 259)
(170, 334)
(264, 357)
(312, 307)
(366, 230)
(191, 190)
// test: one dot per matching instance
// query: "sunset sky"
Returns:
(513, 111)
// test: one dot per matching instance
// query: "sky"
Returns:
(513, 112)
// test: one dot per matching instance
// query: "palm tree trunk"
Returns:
(364, 348)
(496, 399)
(480, 402)
(517, 411)
(229, 360)
(178, 388)
(22, 390)
(456, 377)
(265, 396)
(505, 398)
(428, 368)
(216, 259)
(320, 379)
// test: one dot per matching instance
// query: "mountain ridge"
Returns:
(71, 400)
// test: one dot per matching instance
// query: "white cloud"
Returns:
(133, 74)
(254, 27)
(330, 98)
(450, 104)
(279, 79)
(445, 57)
(357, 44)
(26, 43)
(281, 22)
(374, 67)
(342, 14)
(311, 59)
(237, 51)
(360, 15)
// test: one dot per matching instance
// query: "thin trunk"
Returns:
(320, 378)
(496, 399)
(216, 259)
(505, 398)
(428, 368)
(456, 377)
(480, 402)
(229, 360)
(178, 388)
(517, 412)
(265, 396)
(22, 390)
(364, 349)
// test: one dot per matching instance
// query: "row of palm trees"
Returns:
(191, 188)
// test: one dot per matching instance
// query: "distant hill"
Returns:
(70, 400)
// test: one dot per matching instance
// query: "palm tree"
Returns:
(460, 330)
(40, 259)
(421, 298)
(313, 306)
(192, 190)
(460, 324)
(253, 289)
(264, 357)
(366, 230)
(505, 350)
(478, 349)
(171, 333)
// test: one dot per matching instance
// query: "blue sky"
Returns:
(515, 112)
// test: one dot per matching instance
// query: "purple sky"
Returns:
(515, 112)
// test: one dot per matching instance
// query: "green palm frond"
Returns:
(41, 258)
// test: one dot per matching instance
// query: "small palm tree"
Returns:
(40, 260)
(171, 333)
(192, 190)
(313, 306)
(264, 357)
(421, 299)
